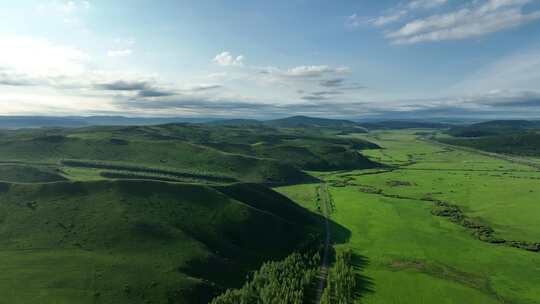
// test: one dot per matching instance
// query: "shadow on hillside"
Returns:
(365, 284)
(340, 234)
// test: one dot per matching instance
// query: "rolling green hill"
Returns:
(526, 143)
(147, 214)
(305, 149)
(495, 127)
(101, 145)
(28, 174)
(299, 122)
(313, 122)
(516, 137)
(403, 124)
(250, 154)
(140, 241)
(235, 122)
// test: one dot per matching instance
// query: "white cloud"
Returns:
(425, 4)
(122, 47)
(354, 21)
(217, 76)
(474, 20)
(119, 53)
(72, 13)
(124, 41)
(395, 14)
(520, 71)
(315, 71)
(71, 6)
(40, 57)
(226, 59)
(39, 76)
(387, 19)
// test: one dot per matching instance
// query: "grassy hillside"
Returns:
(312, 122)
(307, 149)
(526, 143)
(516, 137)
(149, 214)
(495, 127)
(28, 174)
(139, 241)
(403, 124)
(175, 154)
(249, 154)
(295, 122)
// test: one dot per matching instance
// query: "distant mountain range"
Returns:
(17, 122)
(306, 121)
(296, 122)
(492, 127)
(403, 124)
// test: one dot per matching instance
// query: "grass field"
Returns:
(408, 255)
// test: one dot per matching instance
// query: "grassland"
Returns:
(405, 253)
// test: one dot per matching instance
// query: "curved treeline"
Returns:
(155, 171)
(289, 281)
(131, 175)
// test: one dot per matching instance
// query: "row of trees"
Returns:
(341, 281)
(176, 173)
(288, 281)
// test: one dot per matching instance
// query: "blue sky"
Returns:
(354, 59)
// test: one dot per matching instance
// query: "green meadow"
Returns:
(407, 254)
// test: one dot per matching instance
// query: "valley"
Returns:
(406, 252)
(181, 213)
(270, 152)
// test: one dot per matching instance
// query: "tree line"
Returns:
(341, 282)
(287, 281)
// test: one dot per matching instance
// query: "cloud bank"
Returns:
(467, 20)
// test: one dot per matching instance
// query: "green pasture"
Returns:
(408, 255)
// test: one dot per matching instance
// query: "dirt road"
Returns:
(325, 207)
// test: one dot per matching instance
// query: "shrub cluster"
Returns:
(454, 213)
(481, 231)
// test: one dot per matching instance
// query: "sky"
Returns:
(265, 59)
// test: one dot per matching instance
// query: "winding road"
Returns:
(323, 195)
